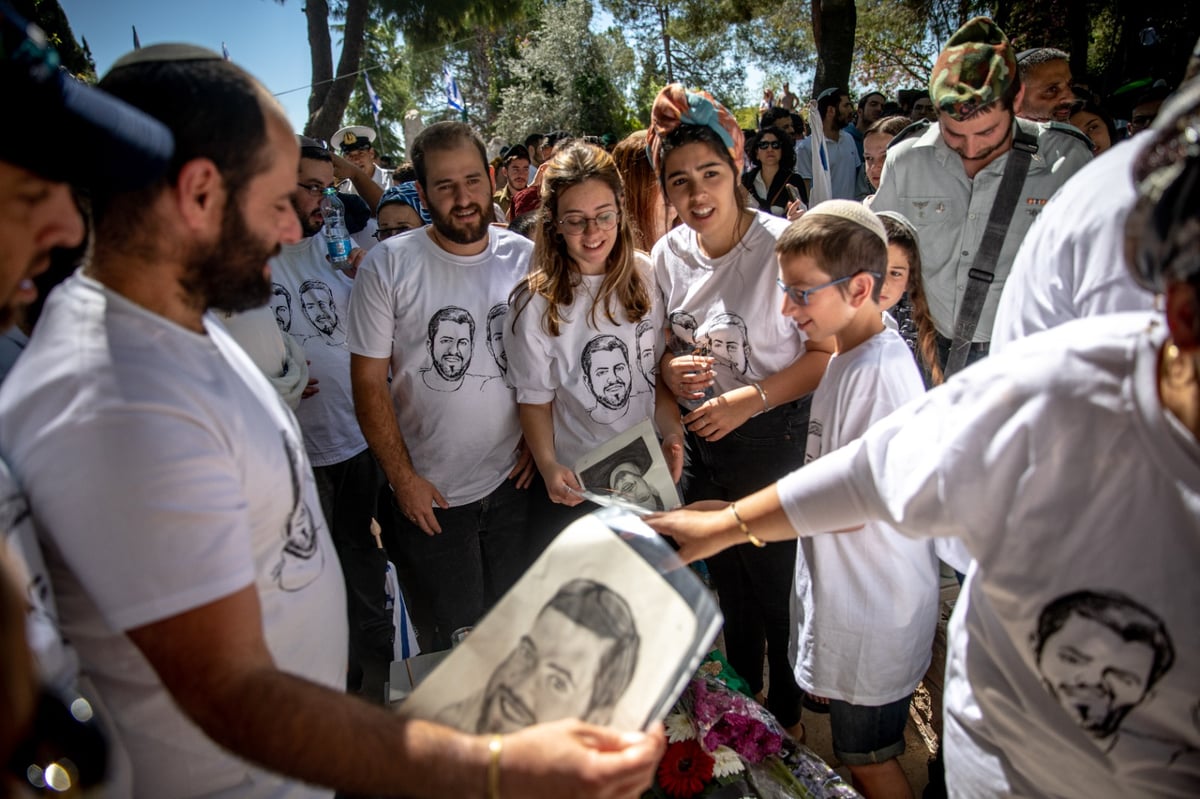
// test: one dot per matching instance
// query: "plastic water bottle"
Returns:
(337, 237)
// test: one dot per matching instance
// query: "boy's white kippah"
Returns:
(852, 211)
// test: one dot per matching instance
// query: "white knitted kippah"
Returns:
(854, 212)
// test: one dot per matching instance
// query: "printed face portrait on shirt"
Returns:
(1099, 655)
(316, 301)
(647, 351)
(281, 305)
(606, 371)
(728, 342)
(451, 341)
(495, 335)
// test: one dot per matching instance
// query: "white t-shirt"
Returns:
(165, 473)
(728, 307)
(57, 664)
(317, 300)
(600, 378)
(276, 354)
(429, 312)
(864, 604)
(844, 162)
(1074, 649)
(1072, 262)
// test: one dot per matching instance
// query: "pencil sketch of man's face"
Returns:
(628, 482)
(451, 348)
(317, 303)
(548, 676)
(575, 662)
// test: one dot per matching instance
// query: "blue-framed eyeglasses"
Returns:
(800, 296)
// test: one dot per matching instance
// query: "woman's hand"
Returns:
(561, 485)
(687, 376)
(720, 416)
(701, 529)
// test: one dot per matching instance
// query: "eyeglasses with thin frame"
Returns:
(801, 296)
(772, 144)
(577, 225)
(314, 189)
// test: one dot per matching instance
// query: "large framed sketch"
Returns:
(629, 471)
(606, 626)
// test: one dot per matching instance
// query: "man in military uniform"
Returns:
(357, 145)
(945, 176)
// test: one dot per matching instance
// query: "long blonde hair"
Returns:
(552, 274)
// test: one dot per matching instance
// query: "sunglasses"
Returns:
(769, 145)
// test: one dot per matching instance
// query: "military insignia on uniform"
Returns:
(941, 208)
(920, 206)
(349, 138)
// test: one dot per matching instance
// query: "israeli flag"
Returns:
(373, 98)
(822, 185)
(454, 97)
(225, 52)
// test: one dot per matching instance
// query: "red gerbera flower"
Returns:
(685, 769)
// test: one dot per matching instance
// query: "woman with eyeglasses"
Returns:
(772, 184)
(399, 211)
(583, 336)
(742, 371)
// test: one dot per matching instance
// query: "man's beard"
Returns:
(308, 226)
(1003, 143)
(458, 233)
(229, 275)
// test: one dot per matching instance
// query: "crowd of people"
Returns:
(856, 372)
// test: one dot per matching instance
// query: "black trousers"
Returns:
(754, 585)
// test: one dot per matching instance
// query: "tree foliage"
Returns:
(562, 78)
(49, 16)
(386, 59)
(686, 41)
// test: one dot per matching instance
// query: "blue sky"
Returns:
(266, 38)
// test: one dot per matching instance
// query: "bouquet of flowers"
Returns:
(724, 745)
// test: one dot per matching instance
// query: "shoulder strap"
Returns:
(1071, 131)
(983, 270)
(915, 129)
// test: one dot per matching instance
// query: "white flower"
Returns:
(726, 762)
(679, 728)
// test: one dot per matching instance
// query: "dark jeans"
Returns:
(754, 585)
(451, 579)
(348, 491)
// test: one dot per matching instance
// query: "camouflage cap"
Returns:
(975, 68)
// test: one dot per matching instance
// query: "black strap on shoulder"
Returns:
(983, 270)
(915, 129)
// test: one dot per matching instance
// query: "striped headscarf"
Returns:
(677, 106)
(406, 193)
